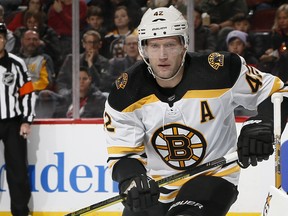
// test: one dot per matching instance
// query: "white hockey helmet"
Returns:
(162, 22)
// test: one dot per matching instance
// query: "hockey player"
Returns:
(173, 111)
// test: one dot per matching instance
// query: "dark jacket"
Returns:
(92, 106)
(205, 41)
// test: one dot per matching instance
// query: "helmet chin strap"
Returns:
(169, 78)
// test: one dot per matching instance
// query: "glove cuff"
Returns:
(127, 168)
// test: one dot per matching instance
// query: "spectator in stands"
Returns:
(133, 8)
(222, 11)
(18, 19)
(109, 6)
(106, 8)
(120, 65)
(114, 40)
(49, 41)
(255, 41)
(95, 20)
(96, 63)
(39, 65)
(205, 41)
(237, 43)
(10, 6)
(92, 100)
(10, 43)
(60, 19)
(275, 59)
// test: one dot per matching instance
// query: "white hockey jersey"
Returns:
(170, 130)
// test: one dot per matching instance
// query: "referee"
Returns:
(17, 101)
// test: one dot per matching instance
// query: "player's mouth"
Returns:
(163, 66)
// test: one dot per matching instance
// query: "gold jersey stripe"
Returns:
(138, 104)
(190, 94)
(212, 93)
(111, 164)
(277, 85)
(168, 197)
(125, 150)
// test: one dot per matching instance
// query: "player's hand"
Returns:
(255, 142)
(25, 130)
(140, 192)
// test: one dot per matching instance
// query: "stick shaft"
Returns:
(230, 158)
(277, 99)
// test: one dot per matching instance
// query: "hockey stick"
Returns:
(277, 99)
(227, 159)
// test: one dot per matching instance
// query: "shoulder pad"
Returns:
(216, 69)
(130, 87)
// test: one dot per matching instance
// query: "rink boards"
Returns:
(67, 165)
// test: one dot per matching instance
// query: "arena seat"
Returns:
(262, 20)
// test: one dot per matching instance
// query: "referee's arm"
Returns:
(27, 96)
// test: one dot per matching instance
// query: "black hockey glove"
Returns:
(140, 192)
(255, 142)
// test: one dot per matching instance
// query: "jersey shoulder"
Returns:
(131, 86)
(214, 70)
(17, 61)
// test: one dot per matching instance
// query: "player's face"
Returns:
(165, 55)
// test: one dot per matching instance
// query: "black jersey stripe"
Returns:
(14, 75)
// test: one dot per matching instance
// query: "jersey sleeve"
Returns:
(26, 93)
(253, 86)
(124, 133)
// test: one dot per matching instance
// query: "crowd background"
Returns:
(40, 32)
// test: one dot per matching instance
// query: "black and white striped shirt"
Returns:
(17, 97)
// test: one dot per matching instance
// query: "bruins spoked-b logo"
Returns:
(179, 146)
(216, 60)
(122, 81)
(8, 78)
